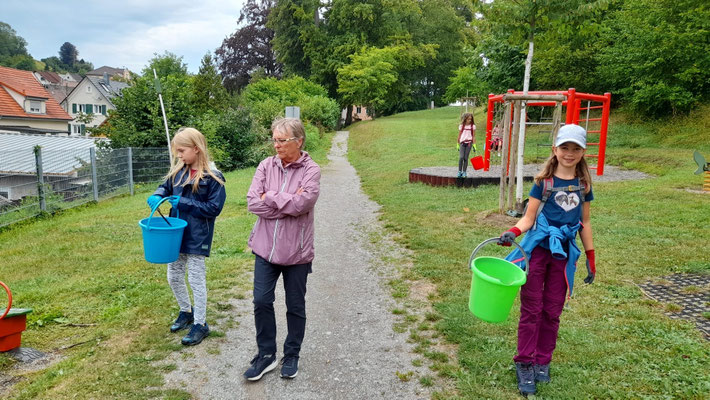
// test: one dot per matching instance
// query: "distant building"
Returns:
(359, 114)
(26, 106)
(58, 85)
(92, 95)
(123, 73)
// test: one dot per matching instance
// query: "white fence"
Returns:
(37, 181)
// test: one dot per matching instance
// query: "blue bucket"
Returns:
(162, 236)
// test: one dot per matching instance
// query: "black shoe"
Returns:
(289, 367)
(261, 365)
(197, 333)
(542, 373)
(525, 372)
(183, 321)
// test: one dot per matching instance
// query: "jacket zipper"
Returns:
(302, 228)
(276, 228)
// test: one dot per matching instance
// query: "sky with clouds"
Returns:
(123, 33)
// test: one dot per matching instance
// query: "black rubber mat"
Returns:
(690, 292)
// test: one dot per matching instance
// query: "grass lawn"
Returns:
(613, 342)
(101, 308)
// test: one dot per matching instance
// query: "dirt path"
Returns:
(350, 350)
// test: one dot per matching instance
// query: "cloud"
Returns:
(125, 34)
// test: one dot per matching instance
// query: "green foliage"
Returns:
(165, 65)
(375, 76)
(268, 97)
(657, 54)
(207, 90)
(319, 110)
(13, 50)
(243, 143)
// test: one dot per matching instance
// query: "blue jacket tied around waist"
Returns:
(555, 237)
(199, 209)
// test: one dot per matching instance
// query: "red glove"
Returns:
(508, 237)
(591, 266)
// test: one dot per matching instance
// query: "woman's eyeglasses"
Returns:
(281, 141)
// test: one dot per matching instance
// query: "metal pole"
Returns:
(130, 169)
(94, 179)
(162, 107)
(40, 179)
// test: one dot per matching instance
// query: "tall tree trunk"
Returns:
(523, 112)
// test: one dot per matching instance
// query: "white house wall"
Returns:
(34, 123)
(80, 96)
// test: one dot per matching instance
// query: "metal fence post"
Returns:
(130, 169)
(40, 179)
(95, 181)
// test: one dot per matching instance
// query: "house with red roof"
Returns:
(26, 106)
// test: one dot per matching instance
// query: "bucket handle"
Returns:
(152, 211)
(495, 239)
(9, 299)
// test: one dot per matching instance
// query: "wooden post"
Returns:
(503, 160)
(40, 179)
(556, 121)
(518, 106)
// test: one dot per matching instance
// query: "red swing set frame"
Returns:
(573, 108)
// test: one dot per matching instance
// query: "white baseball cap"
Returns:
(572, 133)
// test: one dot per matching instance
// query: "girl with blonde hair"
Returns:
(197, 192)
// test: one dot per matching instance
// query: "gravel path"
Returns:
(350, 350)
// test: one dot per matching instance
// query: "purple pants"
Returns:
(541, 301)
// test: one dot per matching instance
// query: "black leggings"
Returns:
(464, 151)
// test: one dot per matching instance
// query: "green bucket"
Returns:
(494, 285)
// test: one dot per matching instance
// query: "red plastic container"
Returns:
(477, 162)
(12, 322)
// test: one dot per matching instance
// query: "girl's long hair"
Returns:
(191, 137)
(465, 116)
(581, 171)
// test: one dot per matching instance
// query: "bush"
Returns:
(321, 111)
(313, 138)
(268, 98)
(242, 141)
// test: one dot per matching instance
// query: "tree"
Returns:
(655, 54)
(207, 90)
(375, 76)
(13, 50)
(68, 54)
(165, 65)
(249, 48)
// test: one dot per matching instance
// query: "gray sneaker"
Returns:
(525, 372)
(261, 365)
(542, 373)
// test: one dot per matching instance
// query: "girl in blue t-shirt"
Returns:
(563, 190)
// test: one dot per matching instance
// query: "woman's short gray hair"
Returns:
(294, 126)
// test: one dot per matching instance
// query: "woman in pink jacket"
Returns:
(283, 194)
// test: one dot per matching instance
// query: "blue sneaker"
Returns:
(463, 174)
(525, 372)
(458, 175)
(260, 365)
(542, 373)
(183, 321)
(196, 335)
(289, 367)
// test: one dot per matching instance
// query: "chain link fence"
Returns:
(37, 181)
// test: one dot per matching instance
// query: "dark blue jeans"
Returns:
(266, 275)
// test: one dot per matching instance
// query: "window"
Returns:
(5, 192)
(359, 110)
(88, 88)
(76, 129)
(35, 106)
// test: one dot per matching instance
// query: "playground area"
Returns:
(95, 317)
